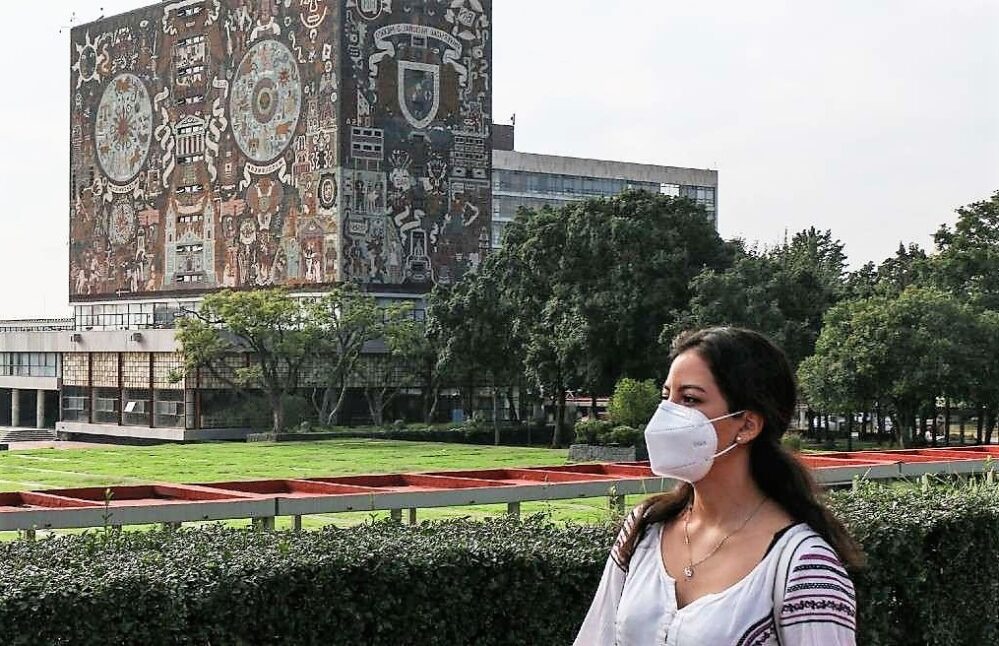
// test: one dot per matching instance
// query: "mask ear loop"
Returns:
(735, 442)
(725, 450)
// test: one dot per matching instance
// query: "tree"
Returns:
(984, 381)
(527, 269)
(472, 323)
(902, 351)
(740, 295)
(629, 261)
(783, 292)
(387, 373)
(908, 267)
(967, 259)
(593, 283)
(424, 355)
(633, 402)
(346, 320)
(268, 326)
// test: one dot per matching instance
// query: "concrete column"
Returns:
(39, 408)
(15, 407)
(190, 409)
(513, 509)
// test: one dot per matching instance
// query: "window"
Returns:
(29, 364)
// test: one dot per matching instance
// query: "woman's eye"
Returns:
(690, 401)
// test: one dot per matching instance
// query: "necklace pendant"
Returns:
(688, 572)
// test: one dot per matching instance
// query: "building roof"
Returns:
(576, 166)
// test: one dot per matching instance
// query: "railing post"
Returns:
(513, 509)
(412, 515)
(396, 515)
(296, 523)
(264, 523)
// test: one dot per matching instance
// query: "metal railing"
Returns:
(264, 500)
(36, 325)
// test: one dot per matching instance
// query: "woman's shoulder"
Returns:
(805, 548)
(817, 587)
(635, 527)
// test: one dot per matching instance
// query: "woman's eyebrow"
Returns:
(686, 387)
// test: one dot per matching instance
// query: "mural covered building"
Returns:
(250, 143)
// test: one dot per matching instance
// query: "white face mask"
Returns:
(682, 441)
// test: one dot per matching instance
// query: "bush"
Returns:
(382, 583)
(931, 579)
(469, 432)
(930, 551)
(792, 441)
(602, 432)
(592, 431)
(626, 436)
(633, 402)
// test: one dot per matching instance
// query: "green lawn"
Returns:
(111, 465)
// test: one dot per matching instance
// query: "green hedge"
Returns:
(467, 433)
(933, 578)
(933, 563)
(447, 583)
(604, 433)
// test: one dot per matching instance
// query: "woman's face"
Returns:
(690, 383)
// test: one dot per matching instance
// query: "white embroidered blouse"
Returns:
(799, 594)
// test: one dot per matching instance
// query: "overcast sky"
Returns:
(873, 119)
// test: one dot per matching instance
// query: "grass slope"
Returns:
(116, 465)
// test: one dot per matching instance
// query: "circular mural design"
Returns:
(121, 222)
(266, 101)
(124, 127)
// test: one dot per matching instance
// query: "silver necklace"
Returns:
(688, 571)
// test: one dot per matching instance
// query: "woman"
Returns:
(741, 552)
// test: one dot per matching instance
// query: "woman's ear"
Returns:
(752, 426)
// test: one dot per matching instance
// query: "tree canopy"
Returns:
(269, 327)
(783, 292)
(578, 295)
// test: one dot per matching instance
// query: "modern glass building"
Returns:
(531, 180)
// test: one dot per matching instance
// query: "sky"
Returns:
(874, 120)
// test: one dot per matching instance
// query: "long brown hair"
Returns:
(753, 374)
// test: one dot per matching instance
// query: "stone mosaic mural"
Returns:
(250, 143)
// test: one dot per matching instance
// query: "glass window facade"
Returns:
(29, 364)
(128, 316)
(75, 403)
(513, 190)
(570, 186)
